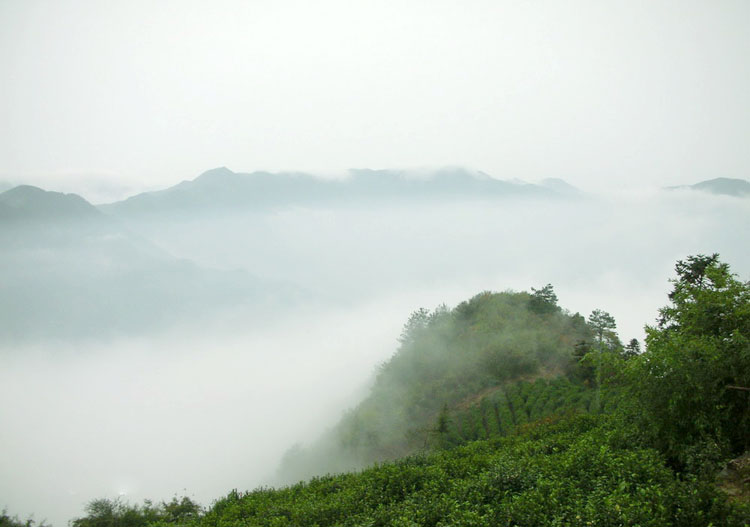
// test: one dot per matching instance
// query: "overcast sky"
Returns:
(143, 93)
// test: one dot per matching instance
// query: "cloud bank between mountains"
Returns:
(153, 351)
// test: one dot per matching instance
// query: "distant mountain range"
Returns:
(70, 270)
(222, 189)
(722, 185)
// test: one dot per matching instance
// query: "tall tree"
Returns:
(632, 349)
(417, 322)
(544, 300)
(603, 325)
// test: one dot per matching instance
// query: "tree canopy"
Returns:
(690, 381)
(544, 300)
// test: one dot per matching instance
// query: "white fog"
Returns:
(208, 403)
(168, 328)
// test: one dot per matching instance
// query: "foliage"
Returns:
(500, 410)
(697, 355)
(603, 325)
(632, 349)
(106, 512)
(416, 324)
(485, 408)
(583, 367)
(576, 471)
(450, 358)
(8, 521)
(543, 301)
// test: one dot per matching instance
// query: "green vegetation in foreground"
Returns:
(116, 513)
(629, 439)
(578, 471)
(459, 375)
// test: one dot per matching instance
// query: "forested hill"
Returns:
(515, 412)
(480, 369)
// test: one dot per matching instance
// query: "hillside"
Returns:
(474, 386)
(490, 364)
(579, 472)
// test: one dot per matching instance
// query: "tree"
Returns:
(633, 349)
(8, 521)
(179, 510)
(441, 429)
(690, 382)
(706, 299)
(543, 301)
(105, 512)
(583, 367)
(603, 324)
(417, 322)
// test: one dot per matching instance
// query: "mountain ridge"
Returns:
(27, 202)
(222, 187)
(72, 271)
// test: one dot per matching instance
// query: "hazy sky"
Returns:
(107, 98)
(597, 92)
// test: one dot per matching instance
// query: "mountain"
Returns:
(221, 189)
(722, 186)
(71, 271)
(26, 202)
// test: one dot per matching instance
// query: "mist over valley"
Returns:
(185, 349)
(415, 263)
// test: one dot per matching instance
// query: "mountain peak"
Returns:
(216, 174)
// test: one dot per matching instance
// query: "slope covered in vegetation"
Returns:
(580, 471)
(478, 370)
(514, 412)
